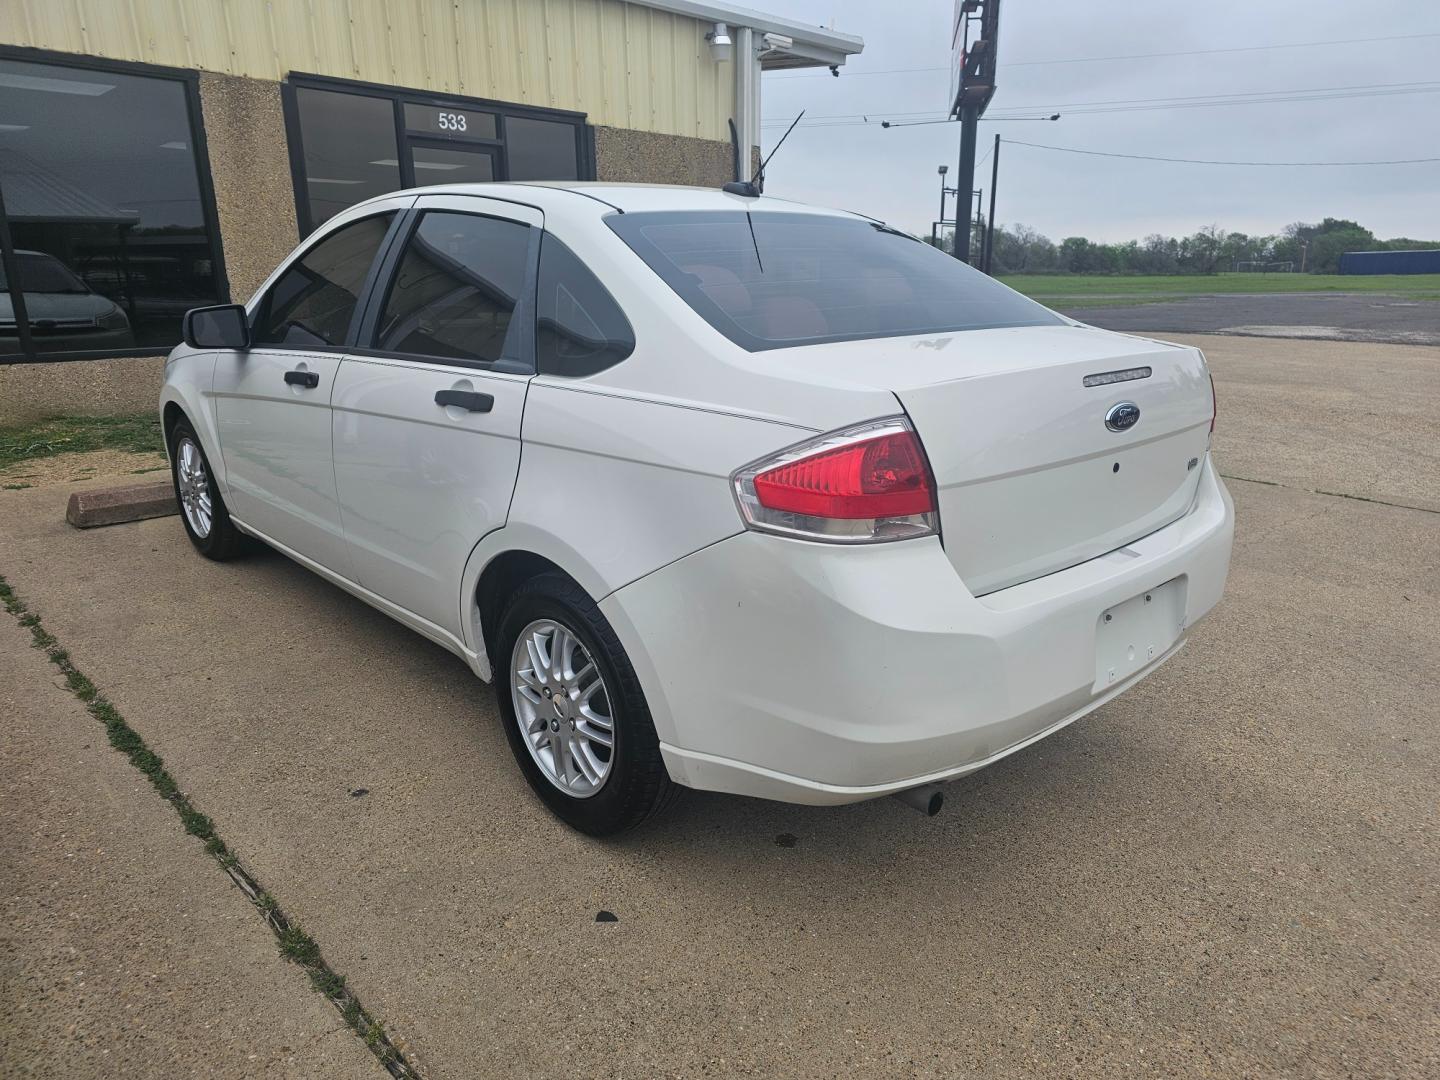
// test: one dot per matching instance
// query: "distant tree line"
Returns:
(1020, 249)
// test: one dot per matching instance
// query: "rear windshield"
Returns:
(775, 280)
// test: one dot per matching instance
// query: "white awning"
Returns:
(812, 46)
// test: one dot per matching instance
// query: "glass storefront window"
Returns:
(110, 235)
(357, 141)
(541, 149)
(349, 143)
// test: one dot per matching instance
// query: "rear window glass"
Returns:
(774, 280)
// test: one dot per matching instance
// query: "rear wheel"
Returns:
(202, 509)
(574, 714)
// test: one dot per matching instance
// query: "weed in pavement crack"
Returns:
(295, 944)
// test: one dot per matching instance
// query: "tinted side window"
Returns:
(456, 289)
(579, 328)
(314, 300)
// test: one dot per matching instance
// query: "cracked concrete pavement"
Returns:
(1231, 870)
(124, 951)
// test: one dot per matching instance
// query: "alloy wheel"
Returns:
(193, 483)
(562, 708)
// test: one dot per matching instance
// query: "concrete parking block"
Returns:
(116, 505)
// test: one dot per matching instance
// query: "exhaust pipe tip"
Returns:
(928, 798)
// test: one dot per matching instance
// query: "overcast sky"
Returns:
(892, 173)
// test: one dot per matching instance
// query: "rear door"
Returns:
(272, 400)
(427, 410)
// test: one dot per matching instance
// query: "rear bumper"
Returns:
(815, 674)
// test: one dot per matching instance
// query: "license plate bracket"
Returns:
(1137, 632)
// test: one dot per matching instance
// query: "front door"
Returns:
(427, 412)
(272, 401)
(437, 162)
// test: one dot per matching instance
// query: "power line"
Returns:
(1131, 56)
(1204, 161)
(1184, 99)
(1272, 97)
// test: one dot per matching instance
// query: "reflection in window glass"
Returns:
(579, 328)
(541, 150)
(314, 300)
(456, 289)
(350, 155)
(771, 280)
(441, 165)
(102, 191)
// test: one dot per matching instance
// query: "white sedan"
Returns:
(721, 492)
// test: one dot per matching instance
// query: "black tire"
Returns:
(637, 786)
(224, 540)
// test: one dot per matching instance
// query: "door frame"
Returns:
(490, 148)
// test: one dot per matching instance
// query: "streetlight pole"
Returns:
(934, 234)
(990, 221)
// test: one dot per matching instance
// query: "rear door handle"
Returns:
(307, 379)
(468, 400)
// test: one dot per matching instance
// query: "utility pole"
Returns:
(990, 221)
(965, 180)
(934, 229)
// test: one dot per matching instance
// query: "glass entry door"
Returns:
(452, 163)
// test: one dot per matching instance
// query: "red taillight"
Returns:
(1214, 405)
(880, 477)
(864, 484)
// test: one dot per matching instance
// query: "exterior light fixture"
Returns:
(720, 43)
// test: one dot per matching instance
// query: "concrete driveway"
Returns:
(1361, 316)
(1233, 870)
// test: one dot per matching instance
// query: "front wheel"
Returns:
(573, 710)
(202, 509)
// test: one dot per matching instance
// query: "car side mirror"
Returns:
(223, 326)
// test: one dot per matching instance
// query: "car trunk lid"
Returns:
(1030, 478)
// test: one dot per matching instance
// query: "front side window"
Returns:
(770, 280)
(579, 328)
(112, 237)
(314, 301)
(456, 290)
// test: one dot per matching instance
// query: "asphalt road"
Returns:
(1364, 317)
(1232, 870)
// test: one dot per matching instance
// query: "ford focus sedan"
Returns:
(720, 492)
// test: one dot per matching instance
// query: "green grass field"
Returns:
(1076, 290)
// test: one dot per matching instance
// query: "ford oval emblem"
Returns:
(1122, 416)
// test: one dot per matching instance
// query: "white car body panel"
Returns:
(275, 442)
(774, 667)
(903, 676)
(418, 483)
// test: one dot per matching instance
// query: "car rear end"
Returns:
(1033, 527)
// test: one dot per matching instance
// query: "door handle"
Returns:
(307, 379)
(468, 400)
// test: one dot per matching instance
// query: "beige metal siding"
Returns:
(622, 64)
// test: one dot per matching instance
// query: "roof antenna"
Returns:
(752, 188)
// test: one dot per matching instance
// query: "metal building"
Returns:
(156, 155)
(1425, 261)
